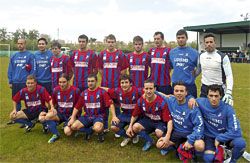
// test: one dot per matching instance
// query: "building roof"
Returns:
(222, 28)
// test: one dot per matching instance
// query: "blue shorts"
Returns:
(151, 125)
(209, 143)
(178, 137)
(89, 121)
(32, 114)
(164, 89)
(124, 121)
(47, 86)
(63, 118)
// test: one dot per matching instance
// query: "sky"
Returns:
(67, 19)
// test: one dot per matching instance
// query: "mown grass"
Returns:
(16, 146)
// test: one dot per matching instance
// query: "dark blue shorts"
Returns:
(209, 143)
(150, 125)
(124, 121)
(89, 121)
(30, 114)
(63, 118)
(47, 86)
(164, 89)
(178, 137)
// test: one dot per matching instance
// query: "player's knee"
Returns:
(137, 127)
(98, 127)
(114, 128)
(239, 143)
(199, 145)
(67, 131)
(158, 133)
(75, 126)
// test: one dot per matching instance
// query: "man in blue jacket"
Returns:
(221, 125)
(188, 123)
(21, 65)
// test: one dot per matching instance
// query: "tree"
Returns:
(33, 34)
(4, 34)
(16, 35)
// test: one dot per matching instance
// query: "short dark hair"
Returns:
(31, 77)
(56, 44)
(92, 76)
(209, 35)
(180, 83)
(214, 88)
(43, 39)
(64, 75)
(83, 36)
(138, 39)
(159, 33)
(149, 81)
(182, 32)
(125, 77)
(111, 37)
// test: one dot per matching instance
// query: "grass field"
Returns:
(16, 146)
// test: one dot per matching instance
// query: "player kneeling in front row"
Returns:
(64, 98)
(188, 125)
(127, 97)
(94, 100)
(34, 97)
(155, 116)
(221, 125)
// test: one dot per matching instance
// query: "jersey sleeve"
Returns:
(32, 62)
(198, 129)
(123, 61)
(228, 72)
(54, 97)
(10, 71)
(18, 96)
(80, 102)
(106, 99)
(165, 114)
(137, 111)
(94, 63)
(112, 93)
(100, 61)
(45, 95)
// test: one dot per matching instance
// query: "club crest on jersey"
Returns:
(156, 108)
(26, 96)
(86, 96)
(183, 113)
(143, 106)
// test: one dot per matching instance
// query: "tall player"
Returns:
(160, 64)
(43, 66)
(60, 63)
(127, 95)
(139, 62)
(221, 125)
(184, 62)
(64, 98)
(22, 64)
(154, 116)
(94, 100)
(112, 63)
(34, 97)
(84, 62)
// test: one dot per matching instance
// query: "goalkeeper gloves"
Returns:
(228, 98)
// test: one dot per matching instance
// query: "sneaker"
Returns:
(101, 137)
(87, 136)
(117, 135)
(136, 139)
(147, 145)
(125, 142)
(227, 160)
(164, 152)
(53, 138)
(246, 156)
(10, 122)
(28, 128)
(45, 129)
(22, 126)
(106, 130)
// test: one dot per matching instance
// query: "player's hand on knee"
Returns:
(228, 98)
(13, 114)
(130, 132)
(53, 111)
(71, 121)
(187, 146)
(115, 120)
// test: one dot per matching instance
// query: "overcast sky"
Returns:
(123, 18)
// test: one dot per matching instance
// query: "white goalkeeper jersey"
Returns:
(216, 69)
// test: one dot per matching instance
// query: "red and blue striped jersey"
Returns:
(160, 66)
(127, 100)
(138, 67)
(34, 101)
(94, 102)
(65, 100)
(156, 110)
(111, 64)
(84, 63)
(58, 66)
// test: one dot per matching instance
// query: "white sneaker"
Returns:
(246, 156)
(135, 139)
(117, 135)
(227, 160)
(125, 142)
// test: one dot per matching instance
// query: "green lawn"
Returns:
(16, 146)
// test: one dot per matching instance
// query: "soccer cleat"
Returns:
(106, 131)
(45, 129)
(117, 135)
(22, 126)
(28, 128)
(136, 139)
(164, 152)
(227, 160)
(147, 145)
(246, 156)
(53, 138)
(125, 142)
(10, 122)
(101, 137)
(87, 136)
